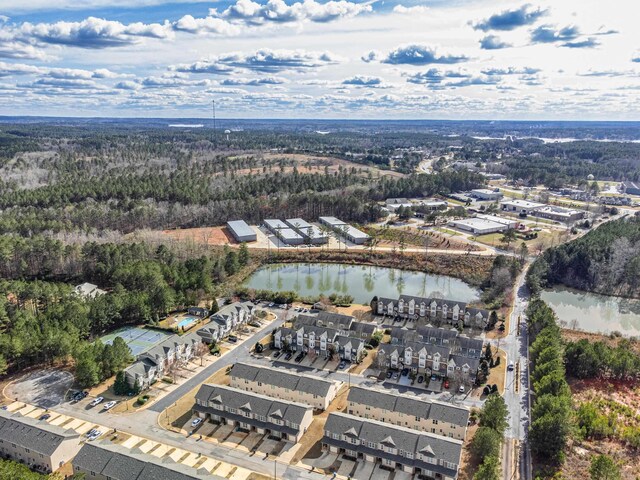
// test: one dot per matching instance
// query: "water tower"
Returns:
(227, 132)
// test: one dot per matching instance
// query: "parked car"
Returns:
(511, 366)
(196, 422)
(96, 401)
(232, 338)
(389, 373)
(405, 372)
(420, 379)
(46, 416)
(461, 389)
(395, 375)
(433, 378)
(94, 435)
(342, 365)
(277, 353)
(446, 384)
(109, 405)
(271, 304)
(288, 356)
(299, 357)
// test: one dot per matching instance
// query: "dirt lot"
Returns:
(44, 388)
(205, 235)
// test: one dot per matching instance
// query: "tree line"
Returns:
(605, 260)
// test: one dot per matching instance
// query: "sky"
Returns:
(338, 59)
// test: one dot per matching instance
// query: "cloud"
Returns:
(590, 42)
(511, 19)
(213, 25)
(93, 33)
(415, 55)
(434, 76)
(127, 85)
(636, 58)
(264, 61)
(511, 71)
(551, 34)
(493, 42)
(254, 82)
(170, 81)
(362, 80)
(607, 73)
(18, 50)
(277, 11)
(11, 69)
(475, 80)
(415, 10)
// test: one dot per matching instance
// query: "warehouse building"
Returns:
(509, 222)
(520, 206)
(284, 232)
(479, 226)
(311, 233)
(345, 230)
(559, 214)
(631, 188)
(241, 231)
(486, 194)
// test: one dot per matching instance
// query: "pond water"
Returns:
(594, 313)
(359, 281)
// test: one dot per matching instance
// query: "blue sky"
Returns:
(460, 59)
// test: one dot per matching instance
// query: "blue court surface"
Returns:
(138, 339)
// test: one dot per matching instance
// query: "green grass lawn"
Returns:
(447, 231)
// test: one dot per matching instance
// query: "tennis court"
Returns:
(138, 339)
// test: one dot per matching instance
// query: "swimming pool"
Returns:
(187, 322)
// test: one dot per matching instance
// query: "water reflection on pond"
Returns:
(594, 313)
(361, 282)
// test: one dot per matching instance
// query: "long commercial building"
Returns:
(107, 461)
(253, 412)
(395, 447)
(345, 230)
(241, 231)
(409, 411)
(277, 383)
(42, 447)
(311, 233)
(283, 231)
(478, 226)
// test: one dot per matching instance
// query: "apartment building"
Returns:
(435, 310)
(320, 341)
(107, 461)
(41, 446)
(409, 411)
(284, 385)
(250, 411)
(393, 447)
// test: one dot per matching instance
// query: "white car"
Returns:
(94, 435)
(461, 389)
(109, 405)
(97, 401)
(196, 422)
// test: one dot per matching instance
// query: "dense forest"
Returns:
(605, 260)
(42, 321)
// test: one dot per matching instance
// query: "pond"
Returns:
(594, 313)
(359, 281)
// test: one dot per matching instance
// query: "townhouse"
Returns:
(432, 351)
(284, 385)
(108, 461)
(250, 411)
(327, 333)
(409, 411)
(156, 362)
(435, 310)
(41, 446)
(232, 316)
(392, 446)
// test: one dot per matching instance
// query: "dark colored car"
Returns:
(277, 353)
(389, 373)
(288, 356)
(232, 338)
(46, 416)
(405, 372)
(420, 379)
(299, 357)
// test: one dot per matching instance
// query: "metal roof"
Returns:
(240, 228)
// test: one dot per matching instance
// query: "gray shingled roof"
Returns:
(256, 403)
(401, 438)
(119, 463)
(409, 405)
(281, 378)
(38, 436)
(337, 318)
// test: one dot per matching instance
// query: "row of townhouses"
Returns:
(433, 309)
(227, 319)
(251, 411)
(157, 361)
(392, 446)
(284, 385)
(409, 411)
(42, 447)
(107, 461)
(432, 351)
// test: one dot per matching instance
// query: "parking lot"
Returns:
(44, 388)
